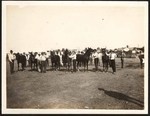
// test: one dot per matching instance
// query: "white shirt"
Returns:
(47, 54)
(43, 58)
(38, 57)
(108, 54)
(95, 55)
(143, 61)
(73, 56)
(113, 56)
(14, 57)
(27, 57)
(10, 57)
(99, 55)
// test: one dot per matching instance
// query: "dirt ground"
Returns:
(80, 90)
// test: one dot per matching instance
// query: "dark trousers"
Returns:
(74, 65)
(96, 60)
(113, 65)
(47, 62)
(23, 64)
(11, 67)
(141, 63)
(105, 66)
(122, 63)
(43, 66)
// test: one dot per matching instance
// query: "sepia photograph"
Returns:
(74, 57)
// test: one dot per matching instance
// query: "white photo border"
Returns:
(6, 110)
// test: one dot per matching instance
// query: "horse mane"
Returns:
(88, 51)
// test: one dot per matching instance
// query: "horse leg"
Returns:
(107, 66)
(103, 66)
(18, 65)
(84, 66)
(31, 65)
(78, 65)
(141, 63)
(59, 65)
(67, 66)
(34, 66)
(87, 65)
(52, 65)
(56, 66)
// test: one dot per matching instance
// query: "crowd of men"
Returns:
(43, 57)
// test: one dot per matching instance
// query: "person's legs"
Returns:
(122, 61)
(22, 65)
(11, 67)
(74, 65)
(95, 63)
(41, 66)
(113, 65)
(141, 63)
(45, 63)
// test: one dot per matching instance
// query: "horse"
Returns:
(66, 59)
(33, 61)
(47, 58)
(18, 58)
(84, 58)
(55, 60)
(105, 60)
(141, 57)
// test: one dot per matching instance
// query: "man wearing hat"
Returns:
(38, 57)
(96, 59)
(23, 61)
(99, 54)
(43, 62)
(74, 56)
(112, 61)
(11, 61)
(122, 58)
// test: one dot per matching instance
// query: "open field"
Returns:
(80, 90)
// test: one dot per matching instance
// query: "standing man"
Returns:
(38, 62)
(112, 60)
(96, 60)
(43, 62)
(99, 55)
(141, 57)
(122, 58)
(74, 56)
(23, 61)
(27, 60)
(47, 57)
(11, 61)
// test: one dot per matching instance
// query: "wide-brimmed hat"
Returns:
(74, 51)
(98, 50)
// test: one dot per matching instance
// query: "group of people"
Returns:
(11, 58)
(25, 60)
(42, 59)
(41, 62)
(111, 55)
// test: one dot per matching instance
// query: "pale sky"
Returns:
(40, 28)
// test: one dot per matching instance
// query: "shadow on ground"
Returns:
(122, 96)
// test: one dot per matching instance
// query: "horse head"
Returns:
(88, 51)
